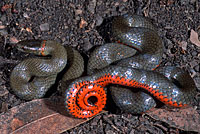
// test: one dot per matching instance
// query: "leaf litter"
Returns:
(186, 119)
(194, 38)
(38, 116)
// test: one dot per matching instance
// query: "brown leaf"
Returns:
(29, 30)
(4, 107)
(183, 45)
(83, 23)
(170, 2)
(42, 116)
(2, 26)
(146, 8)
(14, 40)
(194, 38)
(186, 119)
(5, 7)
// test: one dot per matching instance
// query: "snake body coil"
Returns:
(132, 69)
(155, 83)
(34, 76)
(138, 52)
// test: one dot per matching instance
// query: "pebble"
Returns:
(44, 27)
(197, 82)
(78, 11)
(193, 1)
(3, 91)
(2, 81)
(91, 6)
(87, 44)
(110, 132)
(26, 15)
(184, 45)
(94, 123)
(99, 20)
(132, 131)
(184, 2)
(193, 63)
(194, 53)
(197, 68)
(3, 18)
(3, 32)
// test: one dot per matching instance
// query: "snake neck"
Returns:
(51, 65)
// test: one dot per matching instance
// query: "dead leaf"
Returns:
(194, 38)
(14, 40)
(78, 11)
(186, 119)
(83, 23)
(170, 2)
(5, 7)
(146, 8)
(29, 30)
(183, 45)
(2, 26)
(42, 116)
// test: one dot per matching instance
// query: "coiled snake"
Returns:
(34, 76)
(134, 62)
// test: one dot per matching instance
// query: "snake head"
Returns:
(31, 46)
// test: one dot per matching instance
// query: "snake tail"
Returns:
(156, 84)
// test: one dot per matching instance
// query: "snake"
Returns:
(33, 77)
(133, 61)
(130, 62)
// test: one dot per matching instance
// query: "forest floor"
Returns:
(80, 23)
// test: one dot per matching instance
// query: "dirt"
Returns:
(80, 24)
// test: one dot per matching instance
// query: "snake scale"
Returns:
(34, 76)
(132, 62)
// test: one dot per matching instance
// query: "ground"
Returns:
(79, 23)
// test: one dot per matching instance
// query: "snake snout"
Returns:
(30, 46)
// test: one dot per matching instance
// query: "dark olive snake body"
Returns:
(133, 61)
(132, 68)
(43, 71)
(155, 83)
(136, 32)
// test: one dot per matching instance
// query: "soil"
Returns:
(83, 24)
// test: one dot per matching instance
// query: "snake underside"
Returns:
(138, 52)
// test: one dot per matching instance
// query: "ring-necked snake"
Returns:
(34, 76)
(141, 53)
